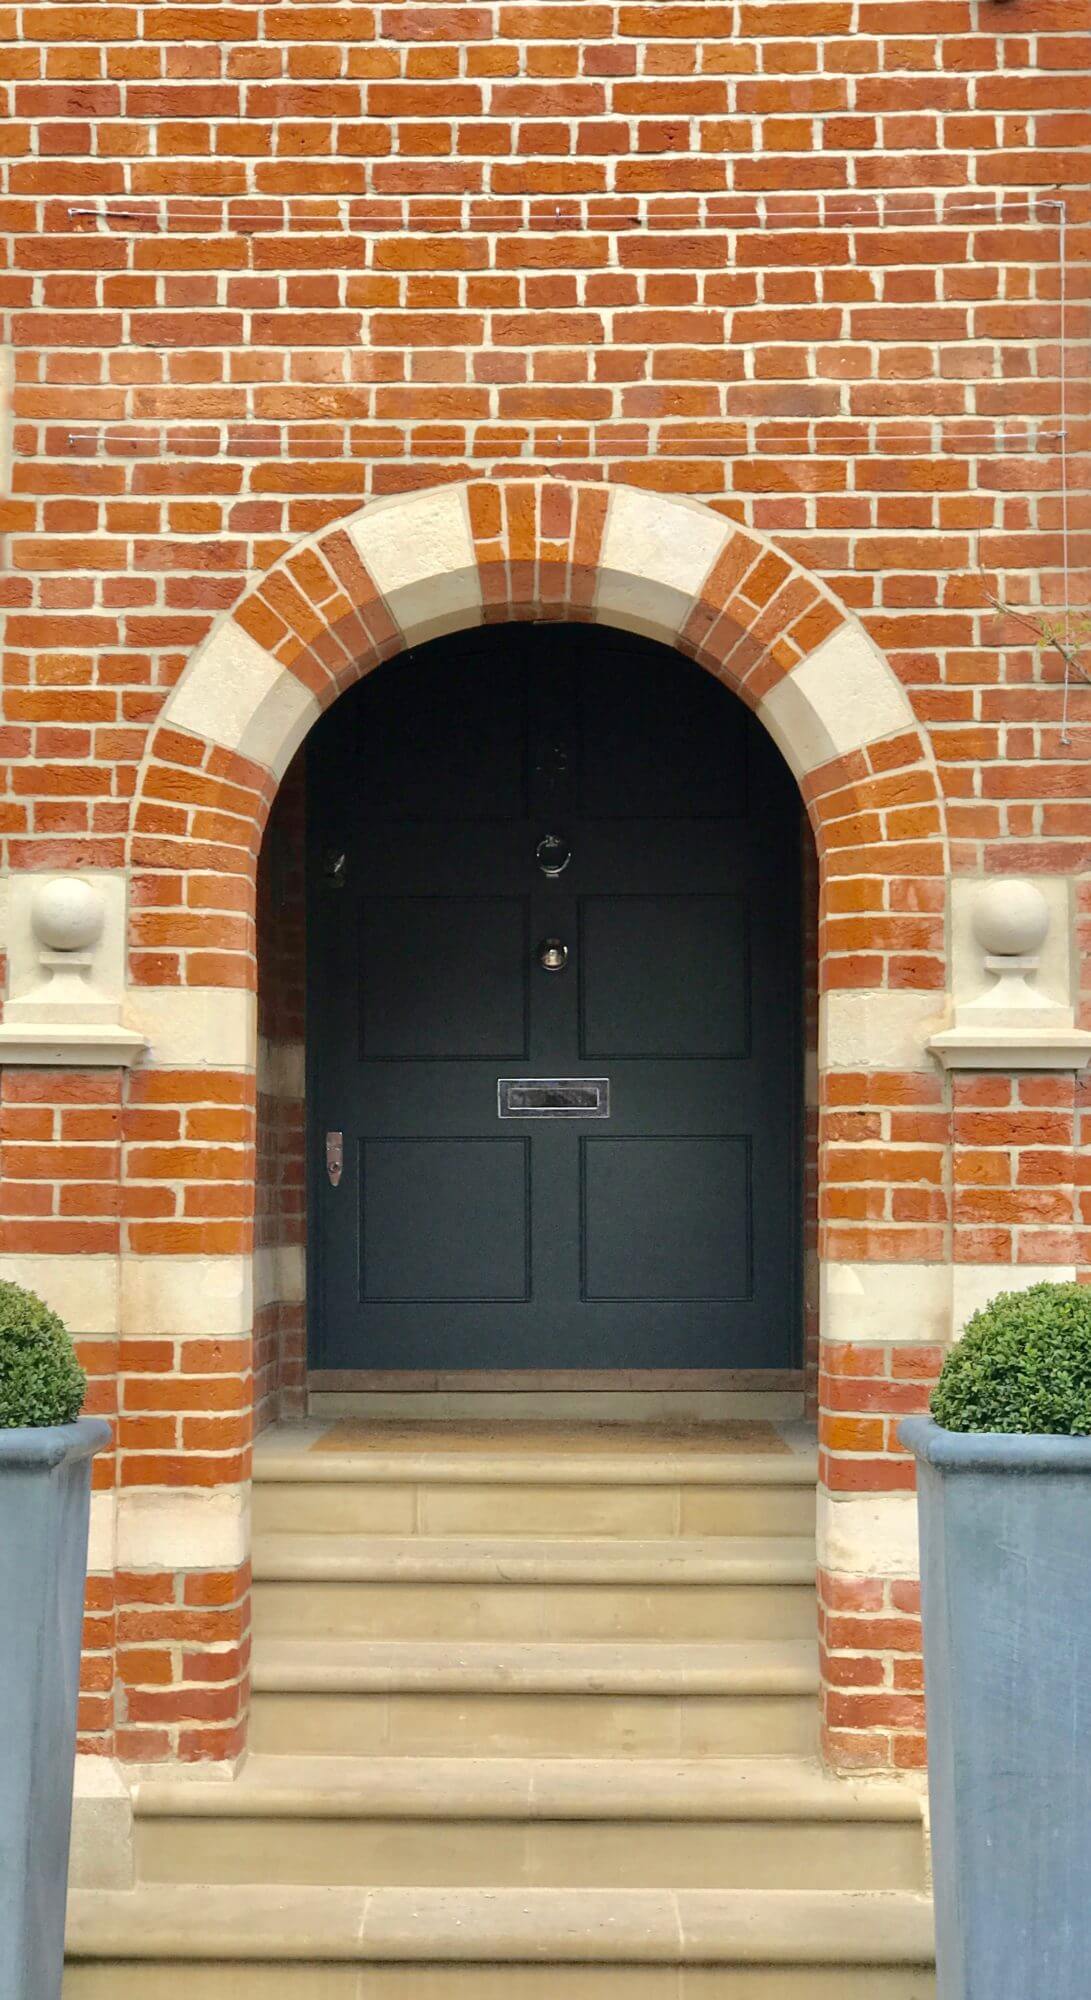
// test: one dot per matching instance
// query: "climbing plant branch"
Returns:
(1066, 633)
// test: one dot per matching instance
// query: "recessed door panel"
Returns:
(666, 1221)
(664, 976)
(444, 1219)
(643, 750)
(443, 978)
(457, 750)
(569, 1098)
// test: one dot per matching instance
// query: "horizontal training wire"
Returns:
(255, 436)
(646, 209)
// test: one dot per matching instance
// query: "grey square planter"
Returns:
(1005, 1529)
(45, 1487)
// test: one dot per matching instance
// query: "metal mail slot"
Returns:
(553, 1097)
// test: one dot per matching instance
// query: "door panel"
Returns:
(444, 978)
(444, 1219)
(663, 976)
(663, 1237)
(401, 763)
(666, 1220)
(644, 744)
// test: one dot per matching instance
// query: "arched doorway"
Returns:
(383, 582)
(554, 1043)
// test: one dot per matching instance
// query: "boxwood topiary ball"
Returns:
(41, 1381)
(1023, 1366)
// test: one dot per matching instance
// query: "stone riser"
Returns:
(182, 1981)
(408, 1507)
(514, 1611)
(588, 1853)
(274, 1943)
(533, 1724)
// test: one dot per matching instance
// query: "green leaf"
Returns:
(1023, 1366)
(41, 1381)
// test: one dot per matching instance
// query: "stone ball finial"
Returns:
(67, 914)
(1011, 919)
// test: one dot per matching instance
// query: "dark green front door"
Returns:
(464, 1233)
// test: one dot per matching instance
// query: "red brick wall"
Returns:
(261, 263)
(800, 261)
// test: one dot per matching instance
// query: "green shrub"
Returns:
(1023, 1365)
(41, 1381)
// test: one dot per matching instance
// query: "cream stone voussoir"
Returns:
(841, 697)
(656, 554)
(236, 694)
(419, 551)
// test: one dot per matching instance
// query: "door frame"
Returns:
(323, 1379)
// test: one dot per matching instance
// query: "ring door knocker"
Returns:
(552, 855)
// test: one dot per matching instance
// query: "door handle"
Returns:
(552, 955)
(335, 1157)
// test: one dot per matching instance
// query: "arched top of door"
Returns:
(414, 566)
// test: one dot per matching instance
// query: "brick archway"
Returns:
(407, 569)
(400, 572)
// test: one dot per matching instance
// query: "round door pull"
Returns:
(552, 955)
(553, 855)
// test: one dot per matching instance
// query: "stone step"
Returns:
(442, 1822)
(200, 1942)
(476, 1587)
(556, 1493)
(471, 1698)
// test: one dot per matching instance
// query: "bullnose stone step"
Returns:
(343, 1696)
(731, 1823)
(549, 1493)
(509, 1559)
(341, 1666)
(587, 1587)
(657, 1944)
